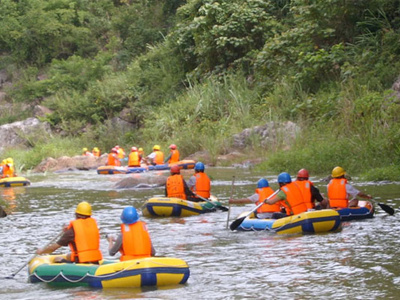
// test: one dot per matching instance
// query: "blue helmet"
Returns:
(262, 183)
(199, 166)
(129, 215)
(284, 178)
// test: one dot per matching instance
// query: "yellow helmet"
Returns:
(337, 172)
(140, 149)
(84, 208)
(9, 160)
(84, 149)
(156, 147)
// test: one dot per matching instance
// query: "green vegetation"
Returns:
(196, 72)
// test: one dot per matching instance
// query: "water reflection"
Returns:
(359, 262)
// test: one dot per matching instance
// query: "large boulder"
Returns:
(270, 133)
(79, 162)
(142, 180)
(18, 133)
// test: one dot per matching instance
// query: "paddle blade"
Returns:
(235, 224)
(387, 208)
(223, 208)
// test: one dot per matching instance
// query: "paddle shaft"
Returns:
(235, 224)
(229, 207)
(32, 257)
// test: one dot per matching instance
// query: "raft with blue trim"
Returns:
(315, 221)
(175, 207)
(14, 181)
(109, 170)
(149, 271)
(364, 210)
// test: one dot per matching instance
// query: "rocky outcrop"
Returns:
(18, 133)
(141, 180)
(270, 133)
(63, 163)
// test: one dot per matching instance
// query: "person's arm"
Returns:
(49, 249)
(114, 244)
(168, 158)
(191, 182)
(188, 192)
(315, 194)
(278, 197)
(252, 199)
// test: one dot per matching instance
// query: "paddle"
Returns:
(235, 224)
(32, 257)
(385, 207)
(229, 208)
(223, 208)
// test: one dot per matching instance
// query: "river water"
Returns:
(360, 262)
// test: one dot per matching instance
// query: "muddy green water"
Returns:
(360, 262)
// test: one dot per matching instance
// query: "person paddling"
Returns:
(310, 193)
(200, 183)
(176, 186)
(265, 211)
(340, 191)
(290, 194)
(134, 240)
(81, 235)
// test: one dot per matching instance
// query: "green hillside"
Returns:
(196, 72)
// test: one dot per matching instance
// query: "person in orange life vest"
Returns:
(120, 152)
(156, 157)
(112, 159)
(173, 156)
(134, 158)
(96, 152)
(86, 152)
(309, 191)
(142, 155)
(290, 195)
(200, 183)
(82, 236)
(266, 211)
(339, 191)
(8, 168)
(176, 186)
(134, 240)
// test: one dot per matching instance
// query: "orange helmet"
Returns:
(175, 169)
(303, 173)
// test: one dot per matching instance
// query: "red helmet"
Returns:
(133, 149)
(114, 150)
(172, 146)
(303, 173)
(175, 169)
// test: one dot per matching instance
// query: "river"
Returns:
(360, 262)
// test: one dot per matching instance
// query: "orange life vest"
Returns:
(305, 188)
(203, 185)
(174, 156)
(136, 241)
(8, 171)
(113, 160)
(121, 153)
(267, 208)
(294, 199)
(134, 159)
(175, 187)
(87, 241)
(337, 193)
(96, 153)
(159, 159)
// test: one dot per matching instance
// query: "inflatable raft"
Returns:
(150, 271)
(315, 221)
(364, 210)
(175, 207)
(14, 181)
(108, 170)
